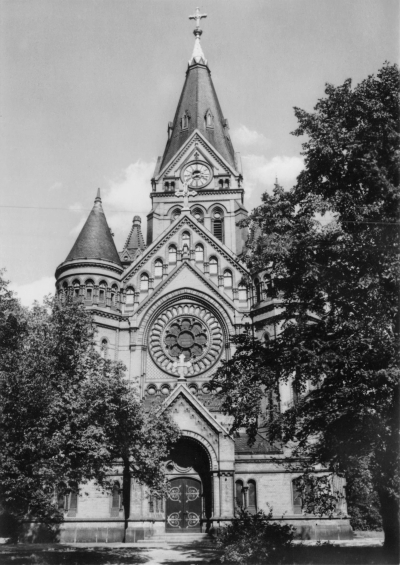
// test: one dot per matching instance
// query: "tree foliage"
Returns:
(331, 244)
(66, 414)
(255, 538)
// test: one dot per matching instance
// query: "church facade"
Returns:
(167, 309)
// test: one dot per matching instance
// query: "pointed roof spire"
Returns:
(197, 55)
(199, 108)
(95, 240)
(135, 241)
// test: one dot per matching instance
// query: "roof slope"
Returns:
(95, 240)
(199, 96)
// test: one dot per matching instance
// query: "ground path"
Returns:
(360, 551)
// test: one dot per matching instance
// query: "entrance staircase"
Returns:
(164, 539)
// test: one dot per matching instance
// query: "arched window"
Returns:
(242, 293)
(89, 289)
(213, 266)
(185, 120)
(144, 282)
(227, 279)
(198, 214)
(172, 254)
(166, 186)
(116, 499)
(218, 224)
(268, 285)
(199, 253)
(158, 268)
(239, 494)
(130, 296)
(252, 497)
(297, 499)
(175, 214)
(209, 119)
(102, 291)
(257, 288)
(76, 286)
(104, 348)
(114, 293)
(186, 240)
(72, 500)
(156, 504)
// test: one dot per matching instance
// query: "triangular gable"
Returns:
(185, 219)
(183, 391)
(198, 137)
(209, 285)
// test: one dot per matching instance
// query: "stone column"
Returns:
(206, 268)
(227, 502)
(216, 511)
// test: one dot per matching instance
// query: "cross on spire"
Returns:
(181, 366)
(197, 17)
(185, 192)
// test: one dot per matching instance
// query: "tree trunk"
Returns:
(390, 523)
(126, 493)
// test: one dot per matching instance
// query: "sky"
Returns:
(88, 88)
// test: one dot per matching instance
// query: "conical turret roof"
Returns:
(95, 240)
(198, 99)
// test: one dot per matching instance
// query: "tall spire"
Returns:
(198, 108)
(95, 240)
(197, 55)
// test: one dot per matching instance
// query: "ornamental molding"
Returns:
(184, 220)
(201, 191)
(189, 329)
(186, 264)
(89, 263)
(196, 137)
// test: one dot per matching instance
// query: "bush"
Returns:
(254, 538)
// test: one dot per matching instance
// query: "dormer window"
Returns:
(185, 120)
(209, 119)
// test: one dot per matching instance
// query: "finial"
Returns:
(197, 17)
(198, 55)
(98, 197)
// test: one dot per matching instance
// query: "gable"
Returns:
(159, 245)
(196, 144)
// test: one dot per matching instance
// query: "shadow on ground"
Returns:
(323, 554)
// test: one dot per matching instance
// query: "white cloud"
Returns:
(245, 139)
(56, 186)
(260, 173)
(128, 196)
(36, 290)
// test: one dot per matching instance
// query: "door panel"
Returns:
(184, 505)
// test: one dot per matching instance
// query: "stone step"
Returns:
(172, 538)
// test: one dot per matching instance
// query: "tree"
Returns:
(66, 414)
(337, 288)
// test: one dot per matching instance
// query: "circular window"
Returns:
(189, 330)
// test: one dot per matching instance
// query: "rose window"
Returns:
(186, 329)
(187, 336)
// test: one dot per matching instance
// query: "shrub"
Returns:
(254, 538)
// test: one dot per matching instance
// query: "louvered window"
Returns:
(218, 224)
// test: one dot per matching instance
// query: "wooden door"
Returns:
(184, 506)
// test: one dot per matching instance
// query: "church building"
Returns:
(167, 308)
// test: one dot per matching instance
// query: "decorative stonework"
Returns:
(188, 329)
(185, 220)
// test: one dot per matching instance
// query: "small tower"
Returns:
(91, 272)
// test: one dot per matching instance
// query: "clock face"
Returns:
(197, 175)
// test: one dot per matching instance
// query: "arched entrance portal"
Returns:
(189, 501)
